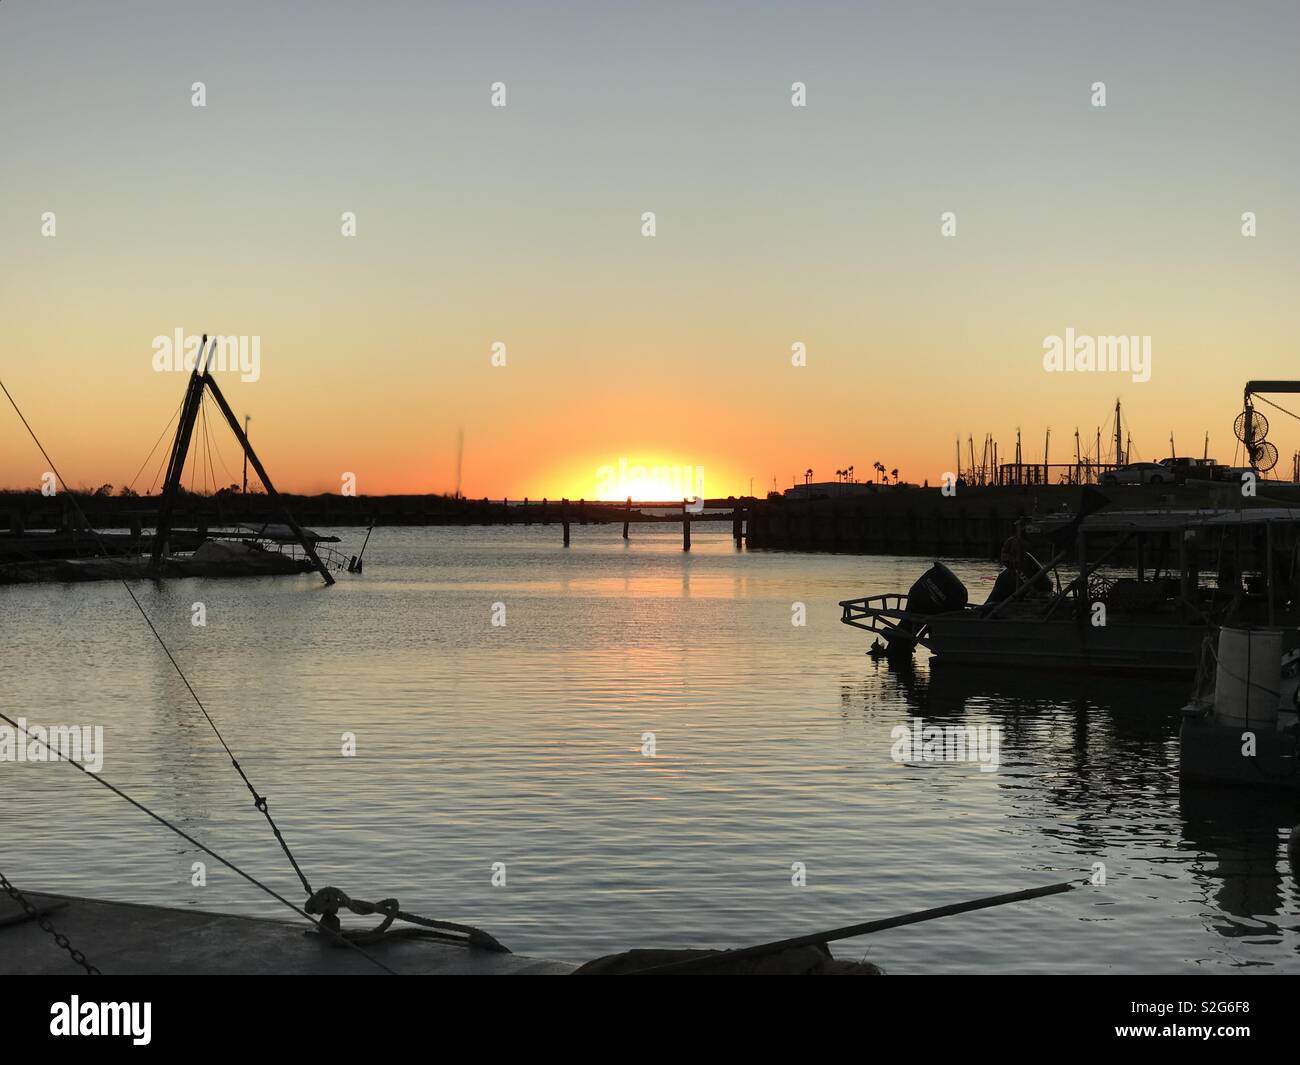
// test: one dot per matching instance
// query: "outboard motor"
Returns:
(936, 591)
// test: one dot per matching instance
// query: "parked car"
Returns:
(1139, 473)
(1193, 469)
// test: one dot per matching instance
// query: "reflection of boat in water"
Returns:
(950, 685)
(1149, 616)
(1234, 833)
(1241, 724)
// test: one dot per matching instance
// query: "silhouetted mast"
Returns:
(200, 379)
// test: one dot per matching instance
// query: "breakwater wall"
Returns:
(973, 523)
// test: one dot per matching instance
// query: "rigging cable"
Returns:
(1277, 405)
(177, 411)
(162, 461)
(217, 448)
(199, 464)
(207, 447)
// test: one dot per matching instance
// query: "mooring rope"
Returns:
(19, 729)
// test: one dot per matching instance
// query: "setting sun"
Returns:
(691, 488)
(659, 481)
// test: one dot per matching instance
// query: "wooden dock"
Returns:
(122, 938)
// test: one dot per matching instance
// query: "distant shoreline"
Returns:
(31, 511)
(972, 523)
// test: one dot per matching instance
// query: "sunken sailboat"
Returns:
(276, 548)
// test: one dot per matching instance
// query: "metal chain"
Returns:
(59, 937)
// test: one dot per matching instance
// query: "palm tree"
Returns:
(879, 467)
(894, 474)
(807, 475)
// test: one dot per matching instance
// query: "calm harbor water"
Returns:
(522, 744)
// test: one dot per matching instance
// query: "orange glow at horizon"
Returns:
(518, 230)
(650, 481)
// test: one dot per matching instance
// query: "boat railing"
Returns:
(886, 615)
(891, 602)
(334, 560)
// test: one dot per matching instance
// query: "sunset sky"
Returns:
(523, 224)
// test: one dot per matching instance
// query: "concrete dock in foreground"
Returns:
(122, 938)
